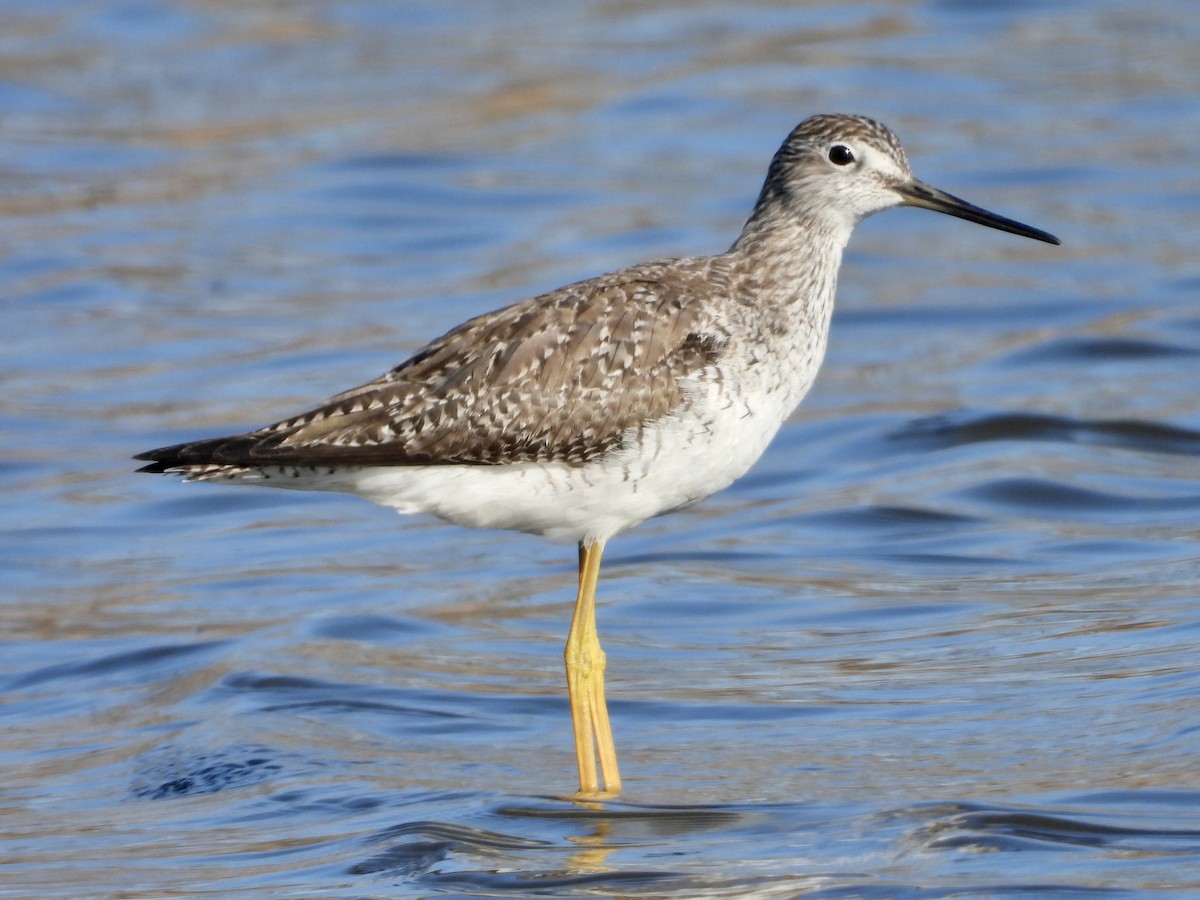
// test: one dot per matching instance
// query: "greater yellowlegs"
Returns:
(582, 412)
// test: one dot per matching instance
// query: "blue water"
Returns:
(940, 642)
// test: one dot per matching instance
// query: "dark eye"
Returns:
(840, 155)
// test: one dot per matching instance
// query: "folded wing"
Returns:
(564, 377)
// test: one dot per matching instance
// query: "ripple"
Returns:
(952, 430)
(571, 851)
(891, 520)
(173, 773)
(1013, 830)
(668, 819)
(1088, 349)
(125, 665)
(375, 628)
(426, 843)
(292, 694)
(1047, 498)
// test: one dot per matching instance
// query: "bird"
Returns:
(584, 411)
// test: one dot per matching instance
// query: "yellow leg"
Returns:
(585, 684)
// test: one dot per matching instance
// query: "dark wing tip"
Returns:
(160, 459)
(166, 459)
(155, 468)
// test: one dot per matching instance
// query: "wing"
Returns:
(565, 376)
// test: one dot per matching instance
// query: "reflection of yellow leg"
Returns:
(585, 683)
(594, 848)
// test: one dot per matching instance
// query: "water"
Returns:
(940, 642)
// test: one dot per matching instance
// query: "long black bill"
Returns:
(917, 193)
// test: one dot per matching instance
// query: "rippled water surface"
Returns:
(940, 642)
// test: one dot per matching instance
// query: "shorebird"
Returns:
(584, 411)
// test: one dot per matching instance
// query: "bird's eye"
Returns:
(841, 155)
